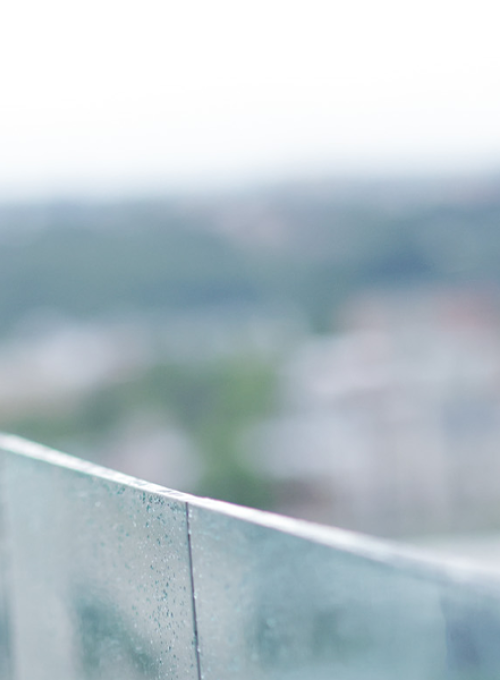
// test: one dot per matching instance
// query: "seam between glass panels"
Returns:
(193, 598)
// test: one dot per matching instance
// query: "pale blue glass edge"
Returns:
(417, 561)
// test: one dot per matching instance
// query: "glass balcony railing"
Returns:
(107, 577)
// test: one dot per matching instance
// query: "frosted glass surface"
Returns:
(100, 575)
(275, 606)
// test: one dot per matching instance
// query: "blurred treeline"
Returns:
(305, 250)
(295, 253)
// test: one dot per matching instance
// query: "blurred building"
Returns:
(393, 425)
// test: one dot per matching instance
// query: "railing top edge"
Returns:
(416, 561)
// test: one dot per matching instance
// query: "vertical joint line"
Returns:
(193, 599)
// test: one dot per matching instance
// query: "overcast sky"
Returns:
(110, 95)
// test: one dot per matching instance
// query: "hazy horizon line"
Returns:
(246, 183)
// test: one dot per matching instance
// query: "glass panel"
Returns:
(5, 669)
(101, 577)
(274, 605)
(100, 588)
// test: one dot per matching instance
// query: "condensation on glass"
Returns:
(100, 578)
(106, 577)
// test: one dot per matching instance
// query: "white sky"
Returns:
(113, 95)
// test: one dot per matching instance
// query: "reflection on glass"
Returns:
(293, 608)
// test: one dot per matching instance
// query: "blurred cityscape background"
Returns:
(254, 254)
(327, 350)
